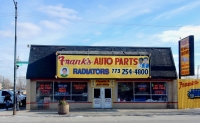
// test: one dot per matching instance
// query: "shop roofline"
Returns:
(96, 46)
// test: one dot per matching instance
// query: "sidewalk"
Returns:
(101, 112)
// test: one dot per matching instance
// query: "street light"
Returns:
(15, 50)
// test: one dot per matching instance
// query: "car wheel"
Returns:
(191, 96)
(188, 94)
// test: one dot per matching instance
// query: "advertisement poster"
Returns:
(186, 56)
(77, 66)
(188, 93)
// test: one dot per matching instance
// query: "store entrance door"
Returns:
(102, 98)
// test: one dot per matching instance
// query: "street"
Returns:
(105, 119)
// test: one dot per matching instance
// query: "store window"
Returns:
(55, 91)
(150, 92)
(79, 91)
(44, 91)
(159, 93)
(125, 91)
(142, 91)
(62, 91)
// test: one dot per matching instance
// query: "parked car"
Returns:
(3, 93)
(193, 93)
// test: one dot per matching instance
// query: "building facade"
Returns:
(102, 77)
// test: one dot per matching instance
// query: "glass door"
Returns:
(107, 98)
(102, 98)
(97, 98)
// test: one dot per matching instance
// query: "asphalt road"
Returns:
(107, 119)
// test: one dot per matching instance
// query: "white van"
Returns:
(3, 93)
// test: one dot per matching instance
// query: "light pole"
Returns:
(15, 50)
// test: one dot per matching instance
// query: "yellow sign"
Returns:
(188, 93)
(102, 83)
(184, 54)
(77, 66)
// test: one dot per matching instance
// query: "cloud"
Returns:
(97, 33)
(174, 35)
(51, 25)
(178, 11)
(6, 33)
(59, 11)
(27, 30)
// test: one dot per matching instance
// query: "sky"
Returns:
(137, 23)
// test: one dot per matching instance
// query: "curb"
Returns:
(102, 115)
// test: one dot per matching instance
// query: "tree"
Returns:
(7, 84)
(21, 83)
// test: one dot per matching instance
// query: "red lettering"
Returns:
(109, 61)
(96, 61)
(135, 61)
(121, 61)
(181, 84)
(61, 58)
(125, 61)
(116, 61)
(131, 61)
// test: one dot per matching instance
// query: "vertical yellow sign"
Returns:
(184, 52)
(188, 93)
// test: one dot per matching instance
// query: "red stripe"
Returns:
(61, 80)
(56, 102)
(145, 102)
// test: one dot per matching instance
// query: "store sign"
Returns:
(158, 88)
(62, 90)
(102, 83)
(142, 89)
(188, 93)
(45, 88)
(76, 66)
(186, 56)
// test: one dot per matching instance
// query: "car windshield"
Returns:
(11, 92)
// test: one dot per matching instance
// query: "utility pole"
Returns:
(15, 51)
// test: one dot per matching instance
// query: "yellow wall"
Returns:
(185, 95)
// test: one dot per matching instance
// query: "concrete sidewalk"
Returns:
(101, 112)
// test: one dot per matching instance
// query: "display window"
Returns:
(142, 91)
(125, 91)
(55, 91)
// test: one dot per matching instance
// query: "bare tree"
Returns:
(21, 83)
(7, 84)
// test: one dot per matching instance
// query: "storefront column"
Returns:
(175, 93)
(90, 92)
(33, 95)
(28, 94)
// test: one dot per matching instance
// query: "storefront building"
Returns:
(102, 77)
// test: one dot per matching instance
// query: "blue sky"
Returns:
(157, 23)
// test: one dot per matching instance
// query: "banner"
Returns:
(77, 66)
(188, 93)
